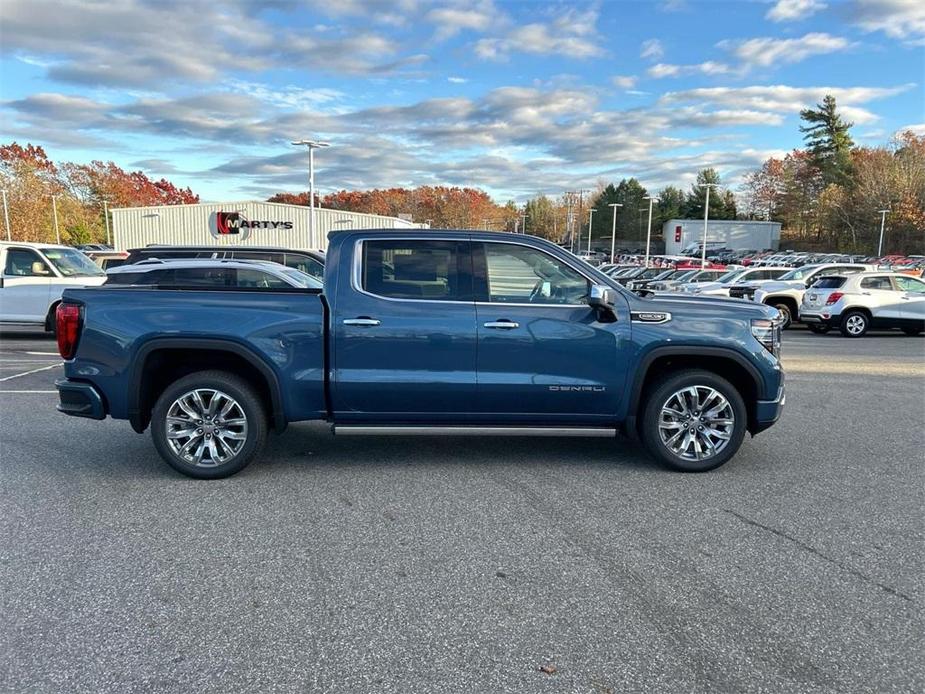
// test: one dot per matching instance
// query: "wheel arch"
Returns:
(726, 363)
(160, 361)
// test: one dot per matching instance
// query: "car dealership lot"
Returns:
(440, 564)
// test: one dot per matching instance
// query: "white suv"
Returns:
(743, 277)
(34, 275)
(786, 293)
(856, 303)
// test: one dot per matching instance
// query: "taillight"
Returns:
(67, 328)
(833, 298)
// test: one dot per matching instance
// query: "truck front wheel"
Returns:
(209, 424)
(693, 420)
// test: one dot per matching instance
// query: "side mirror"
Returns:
(38, 268)
(602, 299)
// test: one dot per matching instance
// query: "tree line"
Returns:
(31, 180)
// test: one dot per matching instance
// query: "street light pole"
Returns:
(883, 214)
(649, 229)
(613, 231)
(312, 146)
(106, 218)
(6, 216)
(54, 209)
(591, 212)
(706, 217)
(523, 226)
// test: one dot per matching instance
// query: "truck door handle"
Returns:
(368, 322)
(502, 325)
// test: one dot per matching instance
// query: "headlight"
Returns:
(767, 332)
(692, 290)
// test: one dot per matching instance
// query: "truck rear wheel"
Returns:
(693, 420)
(209, 424)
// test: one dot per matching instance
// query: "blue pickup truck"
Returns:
(432, 332)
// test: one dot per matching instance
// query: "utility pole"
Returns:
(706, 218)
(649, 230)
(6, 216)
(883, 214)
(523, 226)
(312, 146)
(613, 231)
(569, 221)
(54, 209)
(591, 212)
(106, 219)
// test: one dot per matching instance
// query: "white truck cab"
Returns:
(33, 277)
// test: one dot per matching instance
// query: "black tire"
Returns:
(913, 331)
(659, 394)
(819, 328)
(247, 403)
(785, 313)
(51, 322)
(854, 323)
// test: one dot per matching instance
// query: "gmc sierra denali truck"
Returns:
(449, 332)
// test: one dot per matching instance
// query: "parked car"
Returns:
(786, 293)
(739, 278)
(33, 278)
(701, 276)
(107, 259)
(309, 262)
(866, 300)
(678, 277)
(449, 332)
(219, 274)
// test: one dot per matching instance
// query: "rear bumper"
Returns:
(80, 399)
(821, 319)
(767, 412)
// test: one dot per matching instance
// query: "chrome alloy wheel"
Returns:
(855, 324)
(206, 427)
(696, 423)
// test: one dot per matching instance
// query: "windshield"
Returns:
(301, 279)
(794, 275)
(72, 263)
(729, 276)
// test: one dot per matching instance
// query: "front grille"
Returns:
(742, 292)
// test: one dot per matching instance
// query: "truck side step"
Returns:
(413, 430)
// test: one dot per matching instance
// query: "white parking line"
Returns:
(26, 373)
(44, 354)
(20, 392)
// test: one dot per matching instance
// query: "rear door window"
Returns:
(829, 283)
(882, 283)
(306, 264)
(416, 269)
(251, 255)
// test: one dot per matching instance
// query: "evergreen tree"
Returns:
(828, 141)
(630, 221)
(719, 201)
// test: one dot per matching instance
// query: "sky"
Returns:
(517, 98)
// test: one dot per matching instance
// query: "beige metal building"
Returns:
(249, 223)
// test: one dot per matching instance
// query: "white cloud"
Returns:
(624, 81)
(457, 80)
(571, 34)
(899, 19)
(915, 128)
(662, 70)
(651, 49)
(792, 10)
(767, 52)
(786, 99)
(452, 20)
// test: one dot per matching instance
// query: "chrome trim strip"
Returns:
(362, 430)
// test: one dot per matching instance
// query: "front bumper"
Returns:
(767, 412)
(80, 399)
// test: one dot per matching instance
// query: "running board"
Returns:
(362, 430)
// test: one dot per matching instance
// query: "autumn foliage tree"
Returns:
(31, 179)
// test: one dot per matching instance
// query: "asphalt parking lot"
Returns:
(467, 565)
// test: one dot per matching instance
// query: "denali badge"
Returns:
(577, 389)
(650, 317)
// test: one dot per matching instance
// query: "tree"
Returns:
(722, 206)
(827, 139)
(541, 217)
(631, 217)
